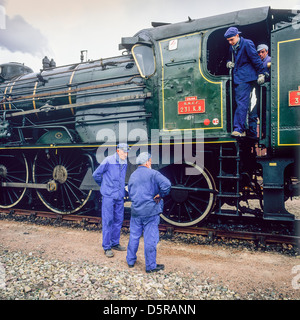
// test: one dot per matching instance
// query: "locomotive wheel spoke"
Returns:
(67, 169)
(198, 199)
(179, 213)
(185, 206)
(13, 168)
(188, 212)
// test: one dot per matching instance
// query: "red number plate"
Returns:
(294, 98)
(191, 105)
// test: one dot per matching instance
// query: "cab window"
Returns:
(145, 60)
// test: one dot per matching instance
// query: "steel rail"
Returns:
(211, 233)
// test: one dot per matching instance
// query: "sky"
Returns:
(60, 29)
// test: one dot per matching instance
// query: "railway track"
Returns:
(211, 233)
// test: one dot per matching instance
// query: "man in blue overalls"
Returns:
(110, 176)
(146, 187)
(263, 52)
(247, 68)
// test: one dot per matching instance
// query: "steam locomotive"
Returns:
(169, 93)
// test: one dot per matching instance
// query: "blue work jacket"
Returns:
(247, 63)
(144, 184)
(110, 176)
(265, 62)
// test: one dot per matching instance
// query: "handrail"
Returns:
(231, 104)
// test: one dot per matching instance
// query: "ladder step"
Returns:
(227, 212)
(237, 177)
(228, 195)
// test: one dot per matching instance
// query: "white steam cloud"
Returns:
(19, 35)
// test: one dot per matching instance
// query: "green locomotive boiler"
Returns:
(170, 93)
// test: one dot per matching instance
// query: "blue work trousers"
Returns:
(151, 237)
(112, 220)
(242, 98)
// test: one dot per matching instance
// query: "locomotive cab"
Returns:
(188, 63)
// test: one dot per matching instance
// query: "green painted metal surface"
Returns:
(285, 98)
(189, 99)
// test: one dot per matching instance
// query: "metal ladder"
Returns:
(223, 178)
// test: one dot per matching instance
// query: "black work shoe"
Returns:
(118, 247)
(130, 265)
(109, 253)
(158, 268)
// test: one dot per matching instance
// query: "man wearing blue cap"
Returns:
(263, 52)
(146, 187)
(110, 176)
(247, 68)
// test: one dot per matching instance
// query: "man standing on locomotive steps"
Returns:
(110, 176)
(247, 68)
